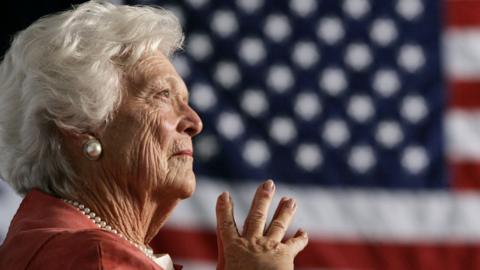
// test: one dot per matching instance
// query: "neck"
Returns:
(137, 217)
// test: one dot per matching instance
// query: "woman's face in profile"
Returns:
(150, 138)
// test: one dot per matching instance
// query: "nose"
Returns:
(190, 123)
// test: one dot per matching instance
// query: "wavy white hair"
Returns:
(65, 71)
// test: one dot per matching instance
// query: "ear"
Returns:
(76, 138)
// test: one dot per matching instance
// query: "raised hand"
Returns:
(255, 247)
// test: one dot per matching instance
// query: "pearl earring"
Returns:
(92, 149)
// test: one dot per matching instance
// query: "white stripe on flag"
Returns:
(462, 135)
(350, 214)
(462, 53)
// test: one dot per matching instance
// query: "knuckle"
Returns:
(258, 241)
(255, 244)
(257, 214)
(253, 222)
(226, 224)
(262, 194)
(289, 210)
(278, 225)
(234, 244)
(298, 244)
(238, 241)
(272, 245)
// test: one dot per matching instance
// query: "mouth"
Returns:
(188, 153)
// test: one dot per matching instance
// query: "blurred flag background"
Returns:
(365, 111)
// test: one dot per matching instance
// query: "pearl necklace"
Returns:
(103, 225)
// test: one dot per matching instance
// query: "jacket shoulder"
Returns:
(90, 249)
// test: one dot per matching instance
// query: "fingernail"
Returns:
(290, 203)
(268, 186)
(225, 197)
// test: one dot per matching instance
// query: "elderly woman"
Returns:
(96, 132)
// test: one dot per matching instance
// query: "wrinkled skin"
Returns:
(257, 248)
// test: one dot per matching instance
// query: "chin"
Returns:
(187, 187)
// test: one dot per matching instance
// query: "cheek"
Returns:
(151, 166)
(153, 154)
(146, 163)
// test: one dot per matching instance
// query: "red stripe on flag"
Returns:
(191, 244)
(355, 254)
(462, 13)
(464, 95)
(465, 175)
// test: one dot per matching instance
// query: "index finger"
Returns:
(225, 219)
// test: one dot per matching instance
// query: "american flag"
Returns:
(365, 111)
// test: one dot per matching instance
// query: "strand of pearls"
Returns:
(103, 225)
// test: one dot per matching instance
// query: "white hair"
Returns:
(65, 71)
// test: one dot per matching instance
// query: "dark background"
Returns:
(17, 15)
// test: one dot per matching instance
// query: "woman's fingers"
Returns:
(256, 219)
(282, 219)
(266, 251)
(298, 242)
(225, 220)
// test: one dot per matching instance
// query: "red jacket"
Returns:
(47, 233)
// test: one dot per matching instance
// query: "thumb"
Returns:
(220, 253)
(226, 228)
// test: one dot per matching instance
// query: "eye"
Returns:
(163, 94)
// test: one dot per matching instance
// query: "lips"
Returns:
(184, 153)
